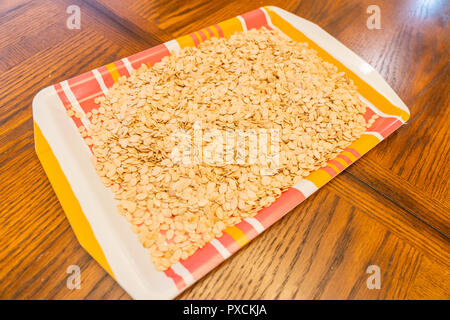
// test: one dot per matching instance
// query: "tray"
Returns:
(90, 206)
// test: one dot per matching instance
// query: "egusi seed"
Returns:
(256, 80)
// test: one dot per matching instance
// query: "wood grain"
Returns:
(394, 211)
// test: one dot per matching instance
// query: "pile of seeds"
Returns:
(254, 80)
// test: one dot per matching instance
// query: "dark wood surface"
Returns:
(394, 212)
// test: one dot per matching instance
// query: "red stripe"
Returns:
(255, 19)
(65, 101)
(202, 35)
(285, 203)
(77, 122)
(121, 68)
(382, 124)
(85, 88)
(248, 229)
(195, 38)
(211, 34)
(337, 164)
(228, 242)
(178, 280)
(62, 96)
(106, 76)
(368, 114)
(391, 128)
(345, 158)
(329, 170)
(353, 151)
(202, 261)
(152, 56)
(219, 30)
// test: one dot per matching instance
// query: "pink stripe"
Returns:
(202, 261)
(211, 34)
(228, 242)
(195, 38)
(329, 170)
(391, 128)
(62, 96)
(85, 88)
(152, 56)
(337, 164)
(202, 35)
(219, 30)
(285, 203)
(353, 151)
(248, 229)
(89, 104)
(106, 76)
(381, 124)
(255, 19)
(121, 68)
(368, 114)
(178, 280)
(345, 158)
(65, 101)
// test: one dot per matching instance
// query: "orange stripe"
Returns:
(364, 144)
(185, 41)
(209, 32)
(328, 169)
(344, 159)
(213, 32)
(334, 167)
(349, 155)
(237, 235)
(207, 35)
(230, 26)
(353, 152)
(249, 231)
(195, 38)
(113, 71)
(201, 35)
(219, 31)
(338, 163)
(319, 178)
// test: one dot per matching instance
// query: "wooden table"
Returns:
(393, 214)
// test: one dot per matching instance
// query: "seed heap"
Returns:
(258, 79)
